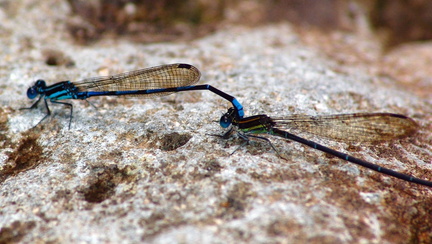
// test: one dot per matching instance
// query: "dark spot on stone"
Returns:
(173, 141)
(57, 58)
(16, 231)
(237, 200)
(212, 167)
(103, 182)
(26, 156)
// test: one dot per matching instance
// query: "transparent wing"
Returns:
(159, 77)
(361, 127)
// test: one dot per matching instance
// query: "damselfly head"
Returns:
(33, 91)
(227, 118)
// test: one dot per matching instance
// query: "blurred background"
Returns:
(394, 21)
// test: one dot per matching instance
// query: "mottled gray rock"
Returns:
(111, 177)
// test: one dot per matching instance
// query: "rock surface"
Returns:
(147, 170)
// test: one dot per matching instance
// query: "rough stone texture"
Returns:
(137, 170)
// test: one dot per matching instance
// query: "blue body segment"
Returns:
(59, 91)
(239, 107)
(154, 81)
